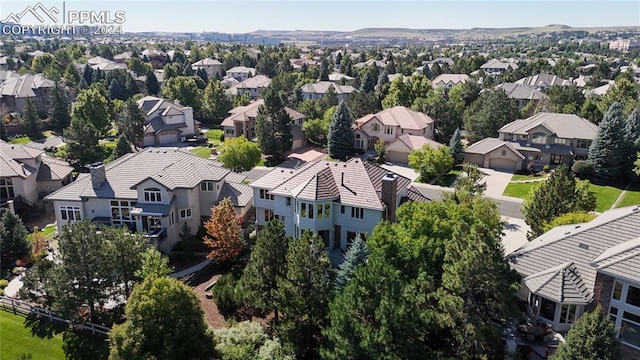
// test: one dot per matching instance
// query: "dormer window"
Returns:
(152, 195)
(375, 127)
(206, 186)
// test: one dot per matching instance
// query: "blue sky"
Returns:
(247, 16)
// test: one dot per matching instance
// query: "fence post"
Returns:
(50, 316)
(13, 307)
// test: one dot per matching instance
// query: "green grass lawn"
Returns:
(202, 151)
(48, 232)
(518, 177)
(605, 196)
(20, 141)
(631, 197)
(16, 339)
(519, 190)
(447, 179)
(214, 135)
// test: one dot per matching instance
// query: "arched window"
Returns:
(152, 195)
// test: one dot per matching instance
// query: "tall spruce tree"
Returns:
(632, 131)
(455, 147)
(87, 74)
(116, 91)
(324, 72)
(59, 111)
(130, 122)
(14, 244)
(340, 139)
(355, 257)
(273, 124)
(267, 264)
(609, 151)
(123, 147)
(30, 118)
(151, 83)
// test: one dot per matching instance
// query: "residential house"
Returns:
(298, 63)
(389, 124)
(254, 86)
(624, 45)
(497, 67)
(398, 150)
(154, 191)
(336, 200)
(543, 139)
(212, 67)
(122, 57)
(106, 65)
(27, 173)
(338, 77)
(14, 92)
(543, 81)
(167, 122)
(372, 62)
(522, 94)
(241, 73)
(600, 90)
(572, 268)
(242, 121)
(448, 81)
(318, 90)
(153, 53)
(36, 53)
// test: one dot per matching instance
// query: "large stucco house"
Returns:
(167, 121)
(15, 91)
(448, 81)
(389, 125)
(522, 94)
(336, 200)
(319, 89)
(153, 191)
(242, 121)
(542, 139)
(212, 67)
(496, 67)
(253, 86)
(572, 268)
(241, 73)
(27, 174)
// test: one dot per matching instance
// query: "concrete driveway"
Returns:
(401, 169)
(515, 234)
(496, 181)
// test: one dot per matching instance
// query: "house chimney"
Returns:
(390, 195)
(98, 175)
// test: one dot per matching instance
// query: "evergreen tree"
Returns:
(115, 90)
(340, 139)
(153, 265)
(383, 80)
(609, 152)
(30, 118)
(87, 74)
(3, 131)
(203, 75)
(324, 72)
(130, 122)
(273, 124)
(96, 76)
(216, 103)
(632, 129)
(591, 337)
(558, 195)
(455, 147)
(131, 87)
(151, 83)
(267, 264)
(123, 147)
(355, 257)
(59, 115)
(14, 244)
(303, 294)
(369, 80)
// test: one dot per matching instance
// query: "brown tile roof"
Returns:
(249, 112)
(400, 116)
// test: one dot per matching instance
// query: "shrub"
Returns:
(4, 283)
(221, 138)
(227, 293)
(582, 167)
(16, 270)
(546, 168)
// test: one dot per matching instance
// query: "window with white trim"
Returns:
(388, 130)
(152, 195)
(264, 194)
(375, 127)
(70, 213)
(357, 213)
(624, 311)
(6, 188)
(207, 186)
(185, 213)
(121, 212)
(268, 214)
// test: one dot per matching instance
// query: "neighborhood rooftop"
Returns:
(569, 126)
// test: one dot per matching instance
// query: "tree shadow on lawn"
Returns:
(41, 328)
(85, 346)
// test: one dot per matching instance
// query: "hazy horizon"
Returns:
(249, 16)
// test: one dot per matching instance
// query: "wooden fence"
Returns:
(25, 309)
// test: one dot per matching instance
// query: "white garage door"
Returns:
(397, 156)
(502, 164)
(167, 139)
(296, 144)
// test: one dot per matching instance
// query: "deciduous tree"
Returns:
(240, 154)
(488, 114)
(224, 232)
(131, 121)
(431, 162)
(153, 265)
(91, 106)
(185, 90)
(591, 337)
(82, 141)
(577, 217)
(216, 103)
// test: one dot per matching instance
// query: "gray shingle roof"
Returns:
(521, 92)
(586, 246)
(24, 85)
(568, 126)
(487, 145)
(171, 167)
(415, 142)
(256, 82)
(543, 80)
(11, 168)
(322, 87)
(53, 169)
(240, 194)
(358, 183)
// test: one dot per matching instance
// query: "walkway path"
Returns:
(615, 203)
(191, 270)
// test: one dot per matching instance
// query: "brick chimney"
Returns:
(98, 175)
(390, 195)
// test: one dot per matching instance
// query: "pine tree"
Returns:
(268, 263)
(369, 80)
(609, 151)
(632, 131)
(224, 232)
(14, 244)
(115, 90)
(273, 124)
(123, 147)
(591, 337)
(130, 122)
(59, 111)
(304, 294)
(203, 75)
(356, 256)
(30, 118)
(87, 74)
(455, 147)
(151, 84)
(3, 131)
(324, 72)
(340, 139)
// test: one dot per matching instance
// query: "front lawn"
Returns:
(447, 179)
(519, 190)
(16, 340)
(214, 135)
(631, 197)
(605, 196)
(519, 177)
(202, 151)
(47, 232)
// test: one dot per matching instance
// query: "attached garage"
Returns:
(503, 164)
(398, 157)
(399, 149)
(167, 138)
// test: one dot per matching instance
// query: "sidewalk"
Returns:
(191, 270)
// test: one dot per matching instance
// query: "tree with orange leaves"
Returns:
(224, 232)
